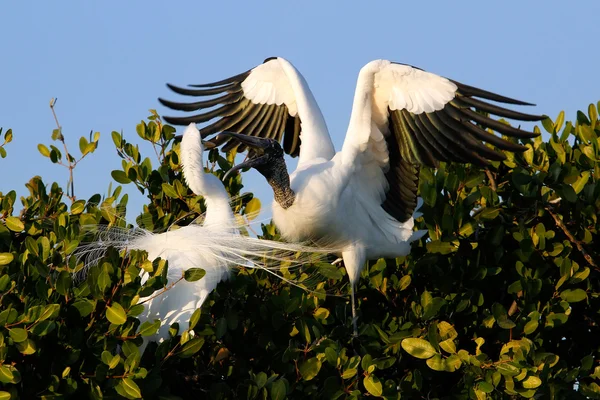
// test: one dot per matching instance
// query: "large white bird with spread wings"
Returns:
(216, 246)
(361, 198)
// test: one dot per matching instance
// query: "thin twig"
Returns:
(163, 290)
(71, 166)
(571, 238)
(491, 178)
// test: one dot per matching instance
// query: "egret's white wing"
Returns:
(404, 117)
(271, 100)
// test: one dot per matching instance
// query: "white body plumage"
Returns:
(362, 198)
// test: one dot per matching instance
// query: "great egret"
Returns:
(215, 246)
(363, 197)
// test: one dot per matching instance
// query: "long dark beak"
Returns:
(250, 141)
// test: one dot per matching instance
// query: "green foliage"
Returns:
(7, 139)
(499, 300)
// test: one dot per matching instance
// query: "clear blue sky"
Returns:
(107, 62)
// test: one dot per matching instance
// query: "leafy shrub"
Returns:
(500, 300)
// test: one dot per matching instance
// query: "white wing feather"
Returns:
(383, 85)
(278, 82)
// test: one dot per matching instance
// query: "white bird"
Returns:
(215, 246)
(361, 198)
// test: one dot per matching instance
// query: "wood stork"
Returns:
(361, 198)
(215, 246)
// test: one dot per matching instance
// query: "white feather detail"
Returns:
(216, 246)
(269, 84)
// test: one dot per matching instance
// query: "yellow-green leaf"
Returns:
(6, 258)
(43, 150)
(573, 295)
(436, 363)
(310, 368)
(531, 382)
(18, 334)
(373, 385)
(116, 314)
(419, 348)
(14, 224)
(252, 208)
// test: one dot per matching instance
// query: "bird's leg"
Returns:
(354, 317)
(337, 261)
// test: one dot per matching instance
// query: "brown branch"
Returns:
(572, 239)
(491, 178)
(163, 290)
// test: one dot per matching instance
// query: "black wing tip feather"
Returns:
(474, 91)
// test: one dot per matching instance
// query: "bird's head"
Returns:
(265, 153)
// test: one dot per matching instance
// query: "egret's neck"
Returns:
(218, 209)
(277, 175)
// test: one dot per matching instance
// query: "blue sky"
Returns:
(107, 62)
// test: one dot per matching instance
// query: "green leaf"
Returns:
(531, 382)
(548, 125)
(502, 317)
(373, 385)
(436, 363)
(329, 271)
(27, 347)
(78, 207)
(484, 386)
(131, 388)
(405, 282)
(6, 258)
(191, 347)
(260, 379)
(82, 145)
(63, 283)
(581, 181)
(530, 327)
(508, 369)
(149, 328)
(43, 328)
(116, 314)
(448, 346)
(43, 150)
(18, 334)
(169, 191)
(278, 390)
(120, 176)
(14, 224)
(437, 246)
(194, 274)
(8, 136)
(50, 312)
(310, 368)
(195, 318)
(2, 152)
(84, 306)
(573, 295)
(9, 374)
(252, 208)
(419, 348)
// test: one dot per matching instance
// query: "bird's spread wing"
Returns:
(260, 102)
(419, 118)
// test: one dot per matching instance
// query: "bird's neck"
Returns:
(277, 176)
